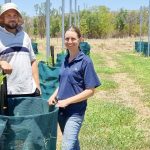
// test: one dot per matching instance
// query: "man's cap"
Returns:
(8, 6)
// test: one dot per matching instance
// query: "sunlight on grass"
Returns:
(40, 57)
(110, 126)
(139, 68)
(97, 59)
(108, 85)
(108, 70)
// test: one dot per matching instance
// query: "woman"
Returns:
(77, 81)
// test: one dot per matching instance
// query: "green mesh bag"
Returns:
(60, 59)
(33, 126)
(48, 79)
(85, 48)
(139, 46)
(35, 47)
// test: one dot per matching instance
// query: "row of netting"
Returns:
(142, 47)
(84, 46)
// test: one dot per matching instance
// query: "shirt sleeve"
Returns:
(91, 79)
(31, 52)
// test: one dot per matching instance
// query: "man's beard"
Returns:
(11, 25)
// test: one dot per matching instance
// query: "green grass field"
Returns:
(109, 125)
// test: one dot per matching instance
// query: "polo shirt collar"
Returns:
(78, 57)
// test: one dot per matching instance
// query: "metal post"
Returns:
(47, 29)
(63, 16)
(78, 16)
(70, 14)
(149, 31)
(7, 1)
(75, 13)
(141, 19)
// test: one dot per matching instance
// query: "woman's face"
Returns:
(71, 40)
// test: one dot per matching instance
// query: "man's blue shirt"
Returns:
(74, 78)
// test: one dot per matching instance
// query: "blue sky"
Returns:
(28, 5)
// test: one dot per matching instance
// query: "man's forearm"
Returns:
(35, 73)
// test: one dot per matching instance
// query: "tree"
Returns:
(120, 21)
(41, 21)
(35, 27)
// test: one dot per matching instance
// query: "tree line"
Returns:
(95, 22)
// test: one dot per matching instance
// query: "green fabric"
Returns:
(142, 47)
(33, 126)
(145, 51)
(48, 79)
(139, 46)
(60, 59)
(85, 48)
(35, 47)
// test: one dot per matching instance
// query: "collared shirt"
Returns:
(17, 51)
(74, 78)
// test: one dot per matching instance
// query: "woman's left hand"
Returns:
(62, 103)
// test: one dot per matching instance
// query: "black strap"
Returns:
(3, 97)
(36, 93)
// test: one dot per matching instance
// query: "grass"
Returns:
(108, 70)
(1, 78)
(108, 84)
(40, 56)
(110, 126)
(139, 68)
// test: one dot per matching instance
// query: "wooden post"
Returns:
(52, 55)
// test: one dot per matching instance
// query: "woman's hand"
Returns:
(52, 101)
(62, 103)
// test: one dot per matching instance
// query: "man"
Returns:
(17, 58)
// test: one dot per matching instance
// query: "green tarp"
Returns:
(139, 46)
(48, 79)
(60, 59)
(35, 47)
(85, 48)
(142, 47)
(33, 126)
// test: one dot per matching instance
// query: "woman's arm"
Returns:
(77, 98)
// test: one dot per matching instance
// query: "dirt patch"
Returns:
(128, 93)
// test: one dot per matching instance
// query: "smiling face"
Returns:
(11, 19)
(71, 40)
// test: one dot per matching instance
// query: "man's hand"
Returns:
(6, 67)
(39, 88)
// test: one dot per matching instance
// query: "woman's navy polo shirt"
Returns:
(74, 78)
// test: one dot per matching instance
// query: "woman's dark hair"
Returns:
(75, 29)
